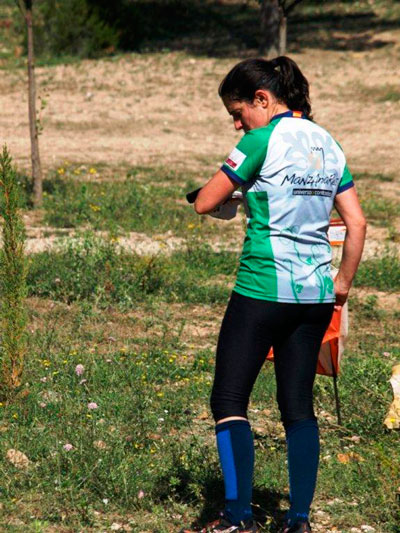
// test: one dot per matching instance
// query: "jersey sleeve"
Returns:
(346, 182)
(246, 159)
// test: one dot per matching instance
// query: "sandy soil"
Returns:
(163, 109)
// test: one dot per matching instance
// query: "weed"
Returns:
(389, 94)
(379, 210)
(369, 308)
(99, 271)
(383, 273)
(117, 206)
(149, 446)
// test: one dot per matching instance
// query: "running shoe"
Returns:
(298, 527)
(222, 525)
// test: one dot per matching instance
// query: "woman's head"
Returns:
(280, 77)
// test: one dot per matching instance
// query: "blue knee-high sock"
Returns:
(303, 454)
(236, 453)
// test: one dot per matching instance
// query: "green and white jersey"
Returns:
(290, 172)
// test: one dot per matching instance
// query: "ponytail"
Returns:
(281, 76)
(293, 87)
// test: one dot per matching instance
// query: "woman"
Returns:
(292, 173)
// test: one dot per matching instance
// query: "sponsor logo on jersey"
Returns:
(235, 159)
(312, 192)
(312, 180)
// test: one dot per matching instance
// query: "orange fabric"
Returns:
(332, 337)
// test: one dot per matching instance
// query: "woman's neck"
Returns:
(277, 109)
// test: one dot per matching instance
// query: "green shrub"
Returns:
(13, 270)
(383, 273)
(121, 205)
(99, 271)
(379, 210)
(101, 26)
(71, 27)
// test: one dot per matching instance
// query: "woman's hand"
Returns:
(341, 291)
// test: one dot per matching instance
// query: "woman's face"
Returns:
(247, 116)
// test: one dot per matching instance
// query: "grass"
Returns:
(139, 458)
(89, 268)
(150, 200)
(379, 210)
(98, 271)
(382, 273)
(118, 206)
(145, 329)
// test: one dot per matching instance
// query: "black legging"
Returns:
(249, 329)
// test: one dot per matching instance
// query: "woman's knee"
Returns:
(295, 409)
(225, 404)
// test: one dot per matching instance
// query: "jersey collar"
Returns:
(292, 114)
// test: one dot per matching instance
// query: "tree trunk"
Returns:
(282, 35)
(271, 16)
(33, 126)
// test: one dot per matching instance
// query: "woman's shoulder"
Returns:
(257, 138)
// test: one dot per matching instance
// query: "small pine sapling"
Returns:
(13, 288)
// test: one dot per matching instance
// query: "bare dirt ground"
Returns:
(163, 109)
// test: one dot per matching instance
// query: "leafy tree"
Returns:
(75, 28)
(274, 15)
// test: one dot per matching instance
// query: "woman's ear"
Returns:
(262, 97)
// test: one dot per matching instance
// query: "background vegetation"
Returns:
(111, 429)
(212, 27)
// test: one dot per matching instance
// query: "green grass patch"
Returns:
(382, 273)
(118, 206)
(121, 422)
(379, 210)
(99, 271)
(146, 454)
(373, 176)
(389, 94)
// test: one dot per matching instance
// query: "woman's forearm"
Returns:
(349, 208)
(352, 252)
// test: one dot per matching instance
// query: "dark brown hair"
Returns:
(281, 76)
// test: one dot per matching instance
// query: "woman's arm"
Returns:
(348, 207)
(215, 192)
